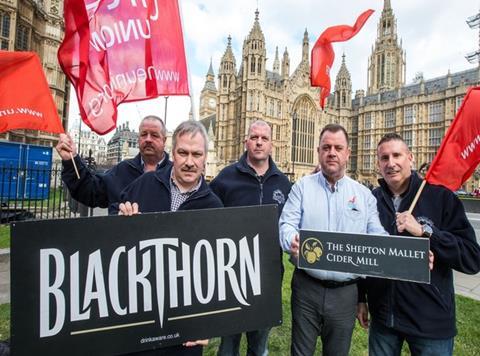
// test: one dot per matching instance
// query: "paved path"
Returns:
(469, 285)
(466, 285)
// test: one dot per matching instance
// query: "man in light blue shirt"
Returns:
(324, 303)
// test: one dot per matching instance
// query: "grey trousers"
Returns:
(318, 311)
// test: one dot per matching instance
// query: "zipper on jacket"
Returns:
(391, 299)
(259, 178)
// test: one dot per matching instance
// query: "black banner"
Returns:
(394, 257)
(112, 285)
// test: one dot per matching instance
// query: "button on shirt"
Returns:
(313, 205)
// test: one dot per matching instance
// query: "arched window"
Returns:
(252, 66)
(303, 131)
(259, 66)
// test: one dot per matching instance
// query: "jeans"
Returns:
(257, 344)
(384, 341)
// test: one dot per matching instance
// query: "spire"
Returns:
(285, 64)
(276, 62)
(343, 87)
(386, 77)
(210, 79)
(228, 55)
(256, 32)
(343, 80)
(305, 47)
(210, 69)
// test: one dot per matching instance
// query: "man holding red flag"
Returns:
(423, 315)
(103, 190)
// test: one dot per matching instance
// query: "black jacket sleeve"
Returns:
(454, 242)
(90, 189)
(215, 186)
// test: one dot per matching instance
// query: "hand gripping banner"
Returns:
(122, 51)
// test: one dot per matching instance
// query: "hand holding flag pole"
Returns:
(66, 150)
(459, 154)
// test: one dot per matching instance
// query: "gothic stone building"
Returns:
(36, 25)
(420, 112)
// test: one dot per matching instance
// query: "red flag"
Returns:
(459, 153)
(323, 54)
(25, 98)
(121, 51)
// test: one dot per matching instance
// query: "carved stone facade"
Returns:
(122, 145)
(420, 112)
(36, 25)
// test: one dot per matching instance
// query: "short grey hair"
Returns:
(163, 129)
(190, 127)
(259, 123)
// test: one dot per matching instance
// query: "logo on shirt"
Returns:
(352, 203)
(311, 250)
(278, 196)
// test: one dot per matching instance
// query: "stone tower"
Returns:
(208, 95)
(343, 88)
(225, 122)
(386, 65)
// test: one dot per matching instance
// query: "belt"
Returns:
(326, 283)
(334, 284)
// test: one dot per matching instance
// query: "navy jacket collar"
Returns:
(243, 166)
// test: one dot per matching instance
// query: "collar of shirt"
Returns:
(338, 184)
(142, 162)
(174, 186)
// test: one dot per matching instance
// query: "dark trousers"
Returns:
(318, 311)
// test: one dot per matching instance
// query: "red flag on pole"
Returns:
(323, 54)
(25, 98)
(122, 51)
(459, 153)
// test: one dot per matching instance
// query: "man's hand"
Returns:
(128, 209)
(66, 147)
(406, 222)
(362, 315)
(195, 343)
(295, 246)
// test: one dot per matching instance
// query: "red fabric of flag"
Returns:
(26, 101)
(459, 153)
(122, 51)
(323, 54)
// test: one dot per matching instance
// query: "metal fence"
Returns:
(27, 193)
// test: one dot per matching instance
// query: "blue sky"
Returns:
(433, 32)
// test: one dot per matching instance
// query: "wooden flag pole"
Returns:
(74, 166)
(414, 202)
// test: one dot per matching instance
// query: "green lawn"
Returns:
(466, 343)
(4, 236)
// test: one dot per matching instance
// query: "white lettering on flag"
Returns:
(471, 147)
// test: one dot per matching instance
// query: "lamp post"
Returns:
(166, 103)
(474, 22)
